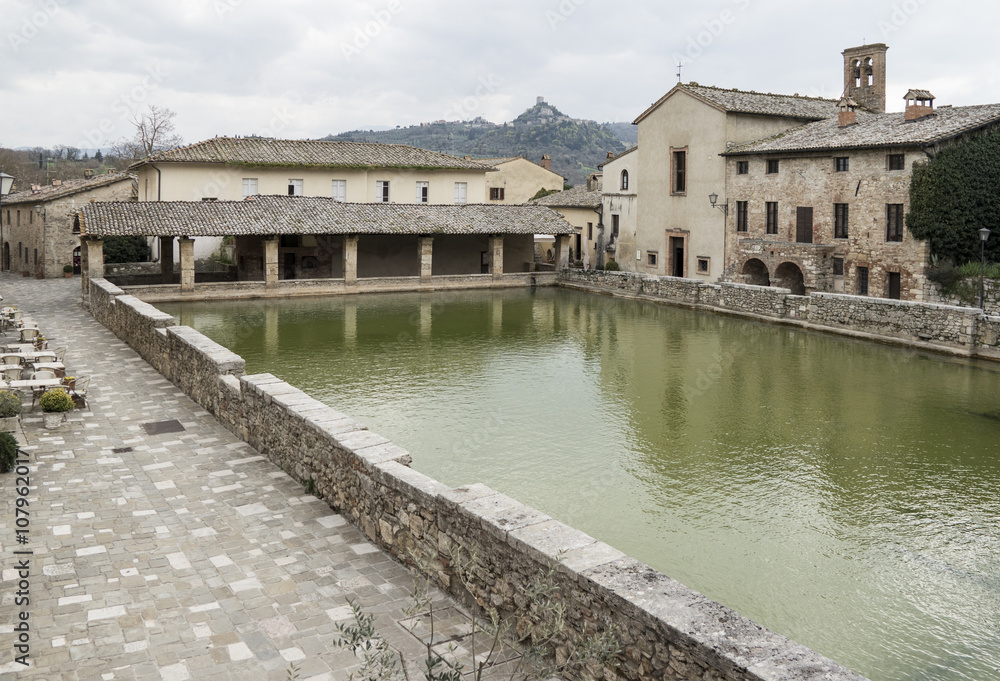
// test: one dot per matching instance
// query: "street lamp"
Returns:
(984, 235)
(6, 182)
(713, 198)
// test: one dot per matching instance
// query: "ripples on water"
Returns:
(842, 493)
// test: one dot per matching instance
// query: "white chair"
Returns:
(79, 392)
(42, 374)
(28, 335)
(43, 356)
(12, 358)
(61, 354)
(12, 374)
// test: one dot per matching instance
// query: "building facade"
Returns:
(36, 226)
(580, 207)
(619, 210)
(517, 180)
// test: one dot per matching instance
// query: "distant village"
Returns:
(801, 193)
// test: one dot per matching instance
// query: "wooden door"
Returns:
(804, 225)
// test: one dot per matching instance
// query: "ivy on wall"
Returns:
(954, 195)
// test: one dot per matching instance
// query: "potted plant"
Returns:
(68, 271)
(39, 342)
(55, 403)
(10, 408)
(8, 452)
(69, 382)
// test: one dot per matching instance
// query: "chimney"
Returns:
(88, 173)
(610, 156)
(546, 162)
(919, 103)
(468, 158)
(846, 114)
(56, 183)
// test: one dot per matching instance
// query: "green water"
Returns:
(845, 494)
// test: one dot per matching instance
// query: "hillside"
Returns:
(576, 146)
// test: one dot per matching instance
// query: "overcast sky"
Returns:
(72, 69)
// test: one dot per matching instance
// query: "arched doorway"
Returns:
(755, 273)
(77, 257)
(788, 275)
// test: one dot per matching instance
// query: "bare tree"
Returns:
(154, 131)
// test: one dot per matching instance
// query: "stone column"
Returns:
(187, 263)
(496, 257)
(92, 264)
(562, 251)
(351, 259)
(425, 247)
(270, 261)
(166, 259)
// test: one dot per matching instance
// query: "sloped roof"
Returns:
(67, 188)
(877, 130)
(615, 158)
(759, 103)
(577, 197)
(269, 215)
(498, 161)
(266, 151)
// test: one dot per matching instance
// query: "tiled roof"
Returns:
(265, 151)
(615, 158)
(67, 188)
(266, 215)
(877, 130)
(577, 197)
(498, 161)
(760, 103)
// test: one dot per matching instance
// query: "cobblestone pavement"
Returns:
(174, 552)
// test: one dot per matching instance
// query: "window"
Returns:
(862, 281)
(295, 187)
(36, 256)
(339, 190)
(897, 162)
(841, 164)
(249, 186)
(651, 258)
(18, 218)
(382, 191)
(31, 217)
(679, 172)
(209, 199)
(423, 190)
(771, 217)
(894, 222)
(703, 265)
(742, 167)
(838, 267)
(461, 192)
(590, 231)
(496, 193)
(840, 217)
(772, 166)
(614, 226)
(624, 180)
(742, 208)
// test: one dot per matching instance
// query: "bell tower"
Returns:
(864, 76)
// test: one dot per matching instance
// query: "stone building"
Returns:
(232, 168)
(36, 226)
(619, 210)
(580, 207)
(517, 179)
(338, 245)
(822, 207)
(680, 138)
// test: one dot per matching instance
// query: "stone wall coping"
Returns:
(754, 287)
(402, 478)
(227, 360)
(548, 541)
(354, 440)
(910, 304)
(158, 319)
(106, 286)
(459, 495)
(383, 453)
(499, 514)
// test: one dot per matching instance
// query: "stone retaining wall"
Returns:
(948, 328)
(667, 631)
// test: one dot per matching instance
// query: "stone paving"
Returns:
(165, 548)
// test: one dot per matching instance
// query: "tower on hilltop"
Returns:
(864, 76)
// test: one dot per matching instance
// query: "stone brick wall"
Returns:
(959, 330)
(666, 630)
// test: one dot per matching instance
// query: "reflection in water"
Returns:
(842, 493)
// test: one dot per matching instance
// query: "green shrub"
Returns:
(56, 400)
(119, 249)
(971, 269)
(67, 269)
(10, 404)
(612, 266)
(8, 452)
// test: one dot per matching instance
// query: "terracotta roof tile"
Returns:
(577, 197)
(67, 188)
(877, 130)
(760, 103)
(267, 215)
(265, 151)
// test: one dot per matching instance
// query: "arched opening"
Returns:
(77, 260)
(624, 180)
(755, 272)
(788, 275)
